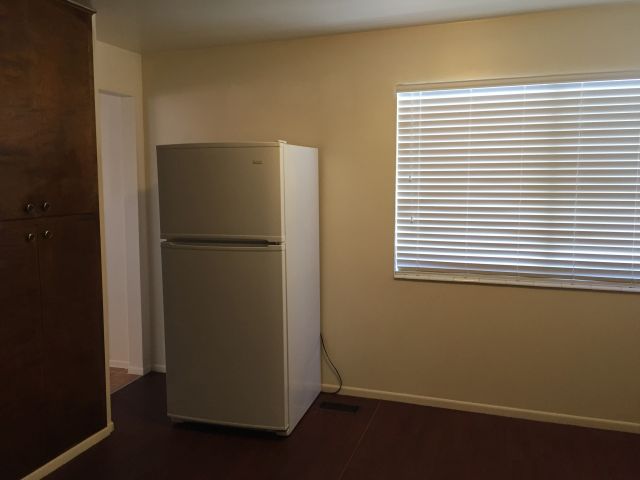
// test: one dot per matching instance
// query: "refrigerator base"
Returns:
(280, 430)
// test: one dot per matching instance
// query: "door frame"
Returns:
(132, 227)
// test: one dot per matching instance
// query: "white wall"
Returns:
(119, 72)
(114, 232)
(573, 353)
(121, 227)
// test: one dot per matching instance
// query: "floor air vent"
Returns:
(340, 407)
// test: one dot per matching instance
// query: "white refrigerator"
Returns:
(241, 282)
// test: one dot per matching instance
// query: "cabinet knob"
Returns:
(47, 234)
(45, 206)
(29, 237)
(29, 207)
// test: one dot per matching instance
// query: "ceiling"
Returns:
(154, 25)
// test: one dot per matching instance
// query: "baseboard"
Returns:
(157, 367)
(537, 415)
(132, 370)
(118, 364)
(70, 454)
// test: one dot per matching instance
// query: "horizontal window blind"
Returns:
(536, 184)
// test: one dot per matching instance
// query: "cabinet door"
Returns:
(74, 368)
(61, 39)
(21, 362)
(18, 121)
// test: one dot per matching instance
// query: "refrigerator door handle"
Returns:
(217, 238)
(237, 247)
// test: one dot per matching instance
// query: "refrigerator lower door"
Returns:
(225, 334)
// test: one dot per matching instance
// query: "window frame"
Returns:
(502, 279)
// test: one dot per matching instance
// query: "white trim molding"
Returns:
(514, 281)
(129, 367)
(160, 368)
(70, 454)
(118, 364)
(134, 370)
(536, 415)
(521, 80)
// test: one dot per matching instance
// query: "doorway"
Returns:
(121, 237)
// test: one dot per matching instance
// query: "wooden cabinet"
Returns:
(52, 369)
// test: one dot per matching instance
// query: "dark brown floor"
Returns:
(383, 440)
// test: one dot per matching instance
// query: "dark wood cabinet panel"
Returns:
(21, 360)
(16, 59)
(61, 38)
(74, 362)
(52, 368)
(18, 119)
(47, 110)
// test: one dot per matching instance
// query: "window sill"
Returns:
(517, 282)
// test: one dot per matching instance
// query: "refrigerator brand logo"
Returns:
(258, 162)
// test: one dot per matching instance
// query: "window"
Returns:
(535, 184)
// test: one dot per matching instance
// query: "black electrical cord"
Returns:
(333, 367)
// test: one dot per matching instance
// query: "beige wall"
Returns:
(119, 71)
(569, 352)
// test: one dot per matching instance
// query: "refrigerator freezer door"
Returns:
(220, 192)
(225, 333)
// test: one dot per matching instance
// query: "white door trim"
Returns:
(127, 170)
